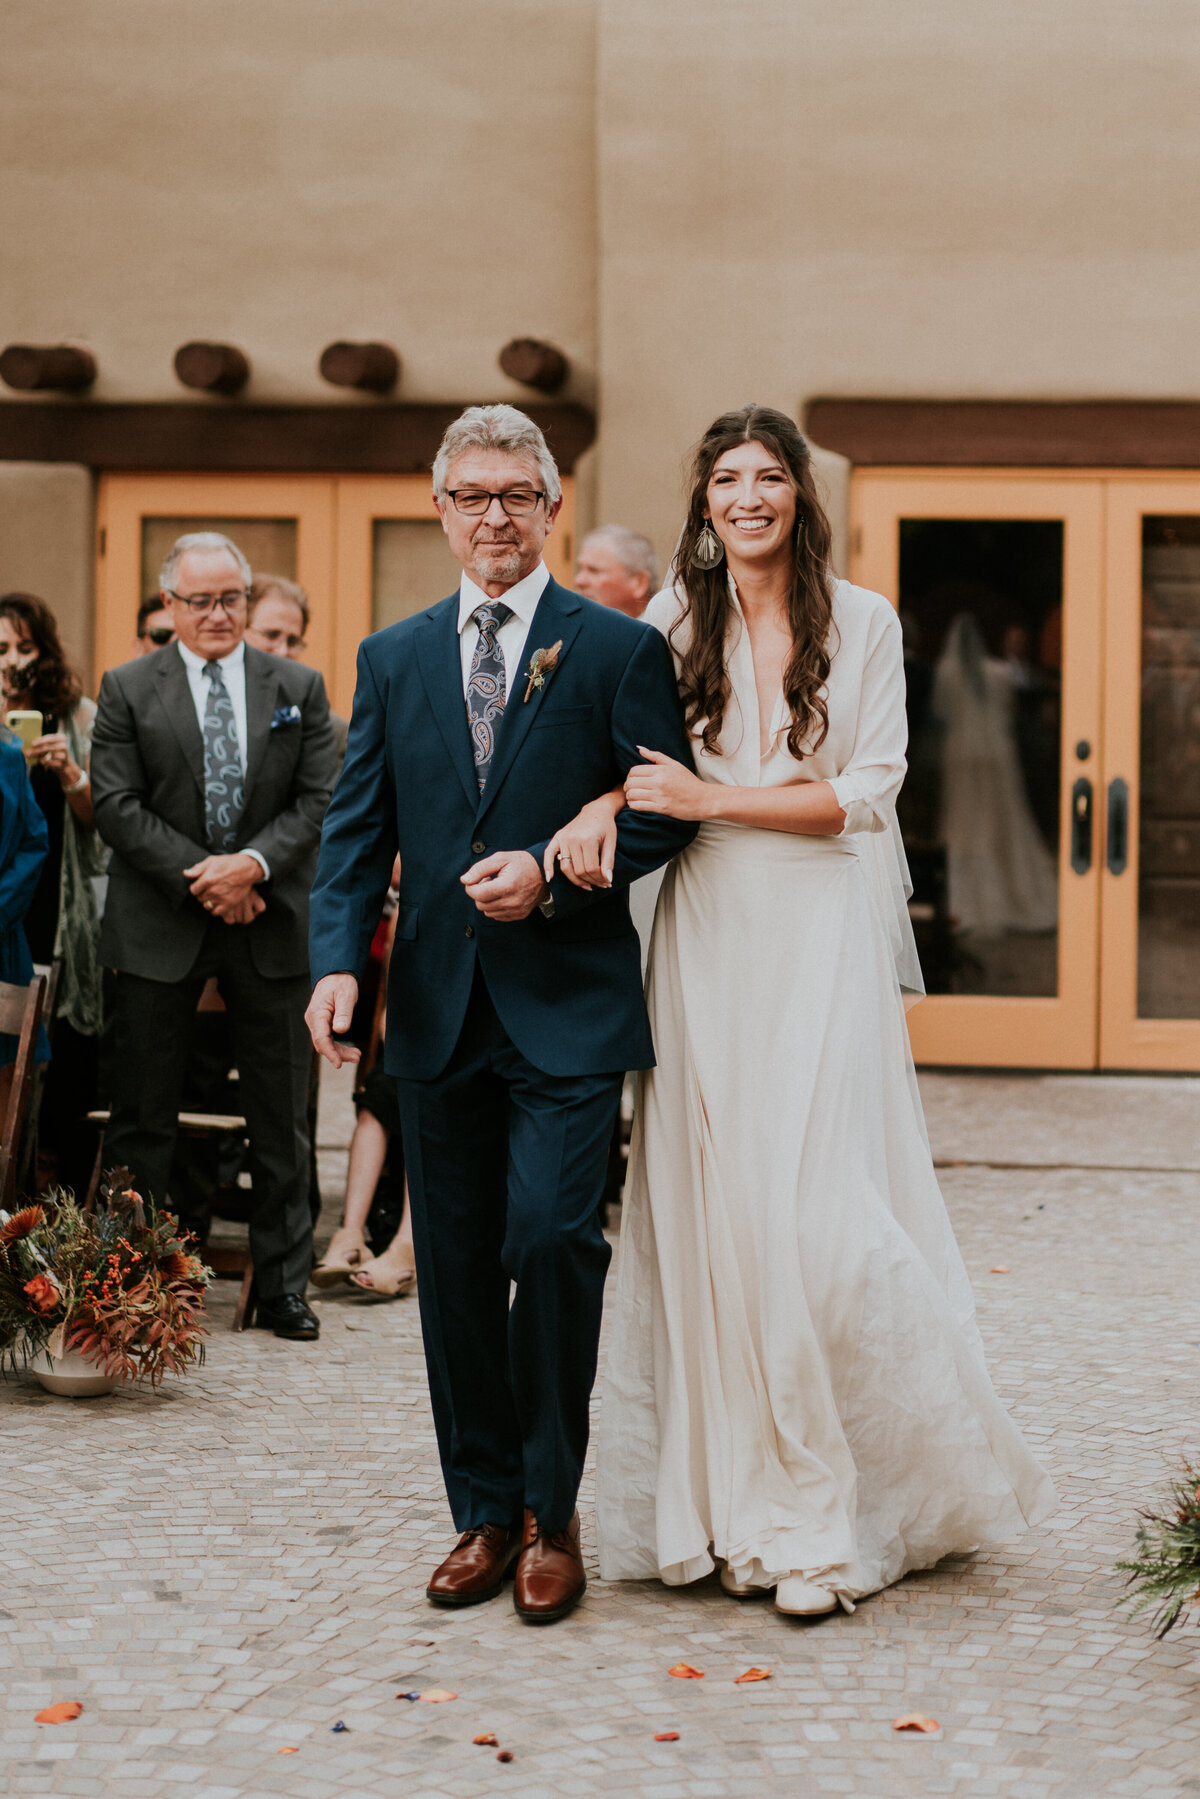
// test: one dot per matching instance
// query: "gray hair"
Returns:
(496, 428)
(199, 540)
(635, 553)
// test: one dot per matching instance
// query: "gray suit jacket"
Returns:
(148, 791)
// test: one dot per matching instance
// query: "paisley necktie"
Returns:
(486, 687)
(223, 780)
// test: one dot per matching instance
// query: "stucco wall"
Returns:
(283, 173)
(702, 203)
(800, 197)
(47, 546)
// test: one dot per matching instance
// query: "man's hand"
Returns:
(330, 1009)
(224, 885)
(506, 886)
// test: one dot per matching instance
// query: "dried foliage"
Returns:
(118, 1285)
(1165, 1573)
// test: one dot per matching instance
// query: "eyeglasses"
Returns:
(159, 635)
(201, 604)
(518, 502)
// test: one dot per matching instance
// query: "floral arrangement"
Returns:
(1165, 1573)
(117, 1285)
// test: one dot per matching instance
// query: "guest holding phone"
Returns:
(63, 920)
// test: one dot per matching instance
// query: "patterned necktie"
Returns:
(486, 687)
(224, 787)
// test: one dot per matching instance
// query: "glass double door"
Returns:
(368, 550)
(1052, 807)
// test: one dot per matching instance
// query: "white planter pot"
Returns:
(70, 1376)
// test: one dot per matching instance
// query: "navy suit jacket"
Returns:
(568, 989)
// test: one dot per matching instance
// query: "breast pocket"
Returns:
(562, 715)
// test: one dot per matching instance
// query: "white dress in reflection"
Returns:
(795, 1382)
(1000, 874)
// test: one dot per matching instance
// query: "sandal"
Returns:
(379, 1279)
(347, 1251)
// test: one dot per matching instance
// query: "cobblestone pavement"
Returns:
(223, 1572)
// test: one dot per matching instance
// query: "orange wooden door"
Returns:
(1150, 906)
(999, 579)
(283, 523)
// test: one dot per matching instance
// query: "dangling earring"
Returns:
(709, 549)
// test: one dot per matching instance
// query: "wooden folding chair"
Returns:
(21, 1011)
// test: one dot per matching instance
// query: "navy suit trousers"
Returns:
(506, 1167)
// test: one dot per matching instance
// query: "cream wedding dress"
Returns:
(795, 1382)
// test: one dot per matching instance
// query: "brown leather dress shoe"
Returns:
(475, 1568)
(550, 1578)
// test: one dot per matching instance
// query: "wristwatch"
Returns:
(546, 906)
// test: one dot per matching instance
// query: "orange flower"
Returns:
(44, 1296)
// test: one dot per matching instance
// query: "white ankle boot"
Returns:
(800, 1598)
(741, 1589)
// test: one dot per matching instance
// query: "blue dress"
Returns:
(23, 841)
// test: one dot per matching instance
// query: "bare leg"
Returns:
(395, 1271)
(348, 1245)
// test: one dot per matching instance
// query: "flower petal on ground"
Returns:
(667, 1736)
(917, 1723)
(487, 1738)
(742, 1680)
(681, 1671)
(1000, 1268)
(436, 1696)
(61, 1713)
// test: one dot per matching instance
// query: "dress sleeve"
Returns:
(867, 787)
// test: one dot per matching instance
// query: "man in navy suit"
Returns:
(514, 1007)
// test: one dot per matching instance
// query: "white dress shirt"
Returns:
(510, 638)
(233, 671)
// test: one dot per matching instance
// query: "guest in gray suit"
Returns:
(212, 765)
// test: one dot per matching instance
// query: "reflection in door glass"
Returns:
(981, 607)
(1169, 828)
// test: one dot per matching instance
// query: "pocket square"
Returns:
(284, 715)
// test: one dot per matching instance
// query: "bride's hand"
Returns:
(667, 787)
(586, 849)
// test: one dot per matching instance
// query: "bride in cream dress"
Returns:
(796, 1388)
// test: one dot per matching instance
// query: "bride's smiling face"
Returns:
(751, 502)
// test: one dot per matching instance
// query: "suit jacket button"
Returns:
(470, 930)
(478, 847)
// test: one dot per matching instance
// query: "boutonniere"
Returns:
(284, 715)
(540, 665)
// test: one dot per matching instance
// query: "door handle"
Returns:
(1117, 833)
(1081, 825)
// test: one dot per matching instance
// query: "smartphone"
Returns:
(27, 725)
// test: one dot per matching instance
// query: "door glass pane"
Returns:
(268, 544)
(1169, 827)
(981, 607)
(412, 568)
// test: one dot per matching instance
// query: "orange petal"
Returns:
(916, 1722)
(667, 1736)
(287, 1752)
(752, 1674)
(1000, 1268)
(681, 1671)
(62, 1713)
(437, 1696)
(504, 1755)
(488, 1740)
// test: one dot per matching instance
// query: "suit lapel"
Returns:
(558, 618)
(175, 693)
(439, 658)
(261, 688)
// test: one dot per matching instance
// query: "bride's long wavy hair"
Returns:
(703, 675)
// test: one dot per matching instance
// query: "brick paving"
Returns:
(230, 1568)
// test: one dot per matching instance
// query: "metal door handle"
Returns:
(1081, 825)
(1117, 833)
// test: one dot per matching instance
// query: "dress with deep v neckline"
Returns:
(795, 1381)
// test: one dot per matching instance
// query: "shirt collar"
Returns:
(196, 664)
(521, 599)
